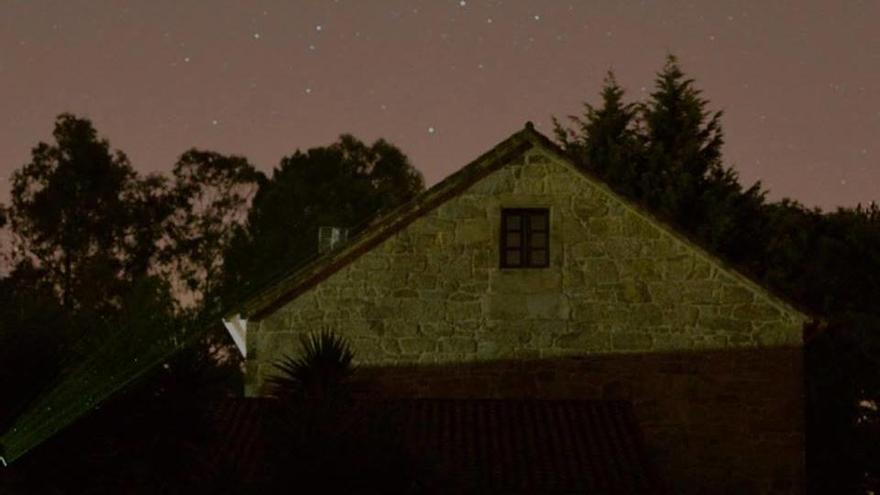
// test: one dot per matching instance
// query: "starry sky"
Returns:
(445, 80)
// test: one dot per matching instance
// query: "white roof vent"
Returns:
(330, 237)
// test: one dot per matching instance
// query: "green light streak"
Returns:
(118, 363)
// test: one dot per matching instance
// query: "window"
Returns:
(525, 238)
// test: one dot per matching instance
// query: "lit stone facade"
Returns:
(627, 308)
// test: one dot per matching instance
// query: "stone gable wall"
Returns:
(434, 293)
(618, 284)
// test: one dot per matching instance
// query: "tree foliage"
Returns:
(606, 140)
(345, 184)
(212, 194)
(666, 154)
(82, 216)
(112, 272)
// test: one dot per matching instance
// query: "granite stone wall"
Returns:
(618, 284)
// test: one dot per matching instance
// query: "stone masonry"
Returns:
(619, 284)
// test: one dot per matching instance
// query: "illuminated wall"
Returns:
(621, 289)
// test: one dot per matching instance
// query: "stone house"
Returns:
(521, 276)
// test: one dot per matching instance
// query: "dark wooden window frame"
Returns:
(527, 249)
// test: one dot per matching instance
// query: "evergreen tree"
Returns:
(683, 148)
(605, 139)
(666, 154)
(825, 262)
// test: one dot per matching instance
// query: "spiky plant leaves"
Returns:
(312, 394)
(323, 370)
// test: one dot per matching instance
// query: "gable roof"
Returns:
(491, 445)
(290, 286)
(305, 277)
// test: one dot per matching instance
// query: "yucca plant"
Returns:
(323, 439)
(322, 372)
(312, 417)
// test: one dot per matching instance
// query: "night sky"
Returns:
(799, 81)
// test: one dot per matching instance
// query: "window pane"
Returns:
(512, 258)
(513, 239)
(538, 221)
(538, 257)
(538, 240)
(513, 222)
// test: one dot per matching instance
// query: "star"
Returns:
(537, 17)
(318, 27)
(256, 36)
(431, 130)
(462, 3)
(215, 122)
(308, 91)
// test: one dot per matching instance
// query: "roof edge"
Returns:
(301, 279)
(304, 277)
(640, 210)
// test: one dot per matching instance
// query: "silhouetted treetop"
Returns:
(82, 214)
(345, 184)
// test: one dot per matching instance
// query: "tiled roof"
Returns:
(238, 442)
(499, 446)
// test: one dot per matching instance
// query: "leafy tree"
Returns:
(212, 194)
(82, 215)
(85, 307)
(345, 184)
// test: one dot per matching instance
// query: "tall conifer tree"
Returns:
(604, 140)
(683, 142)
